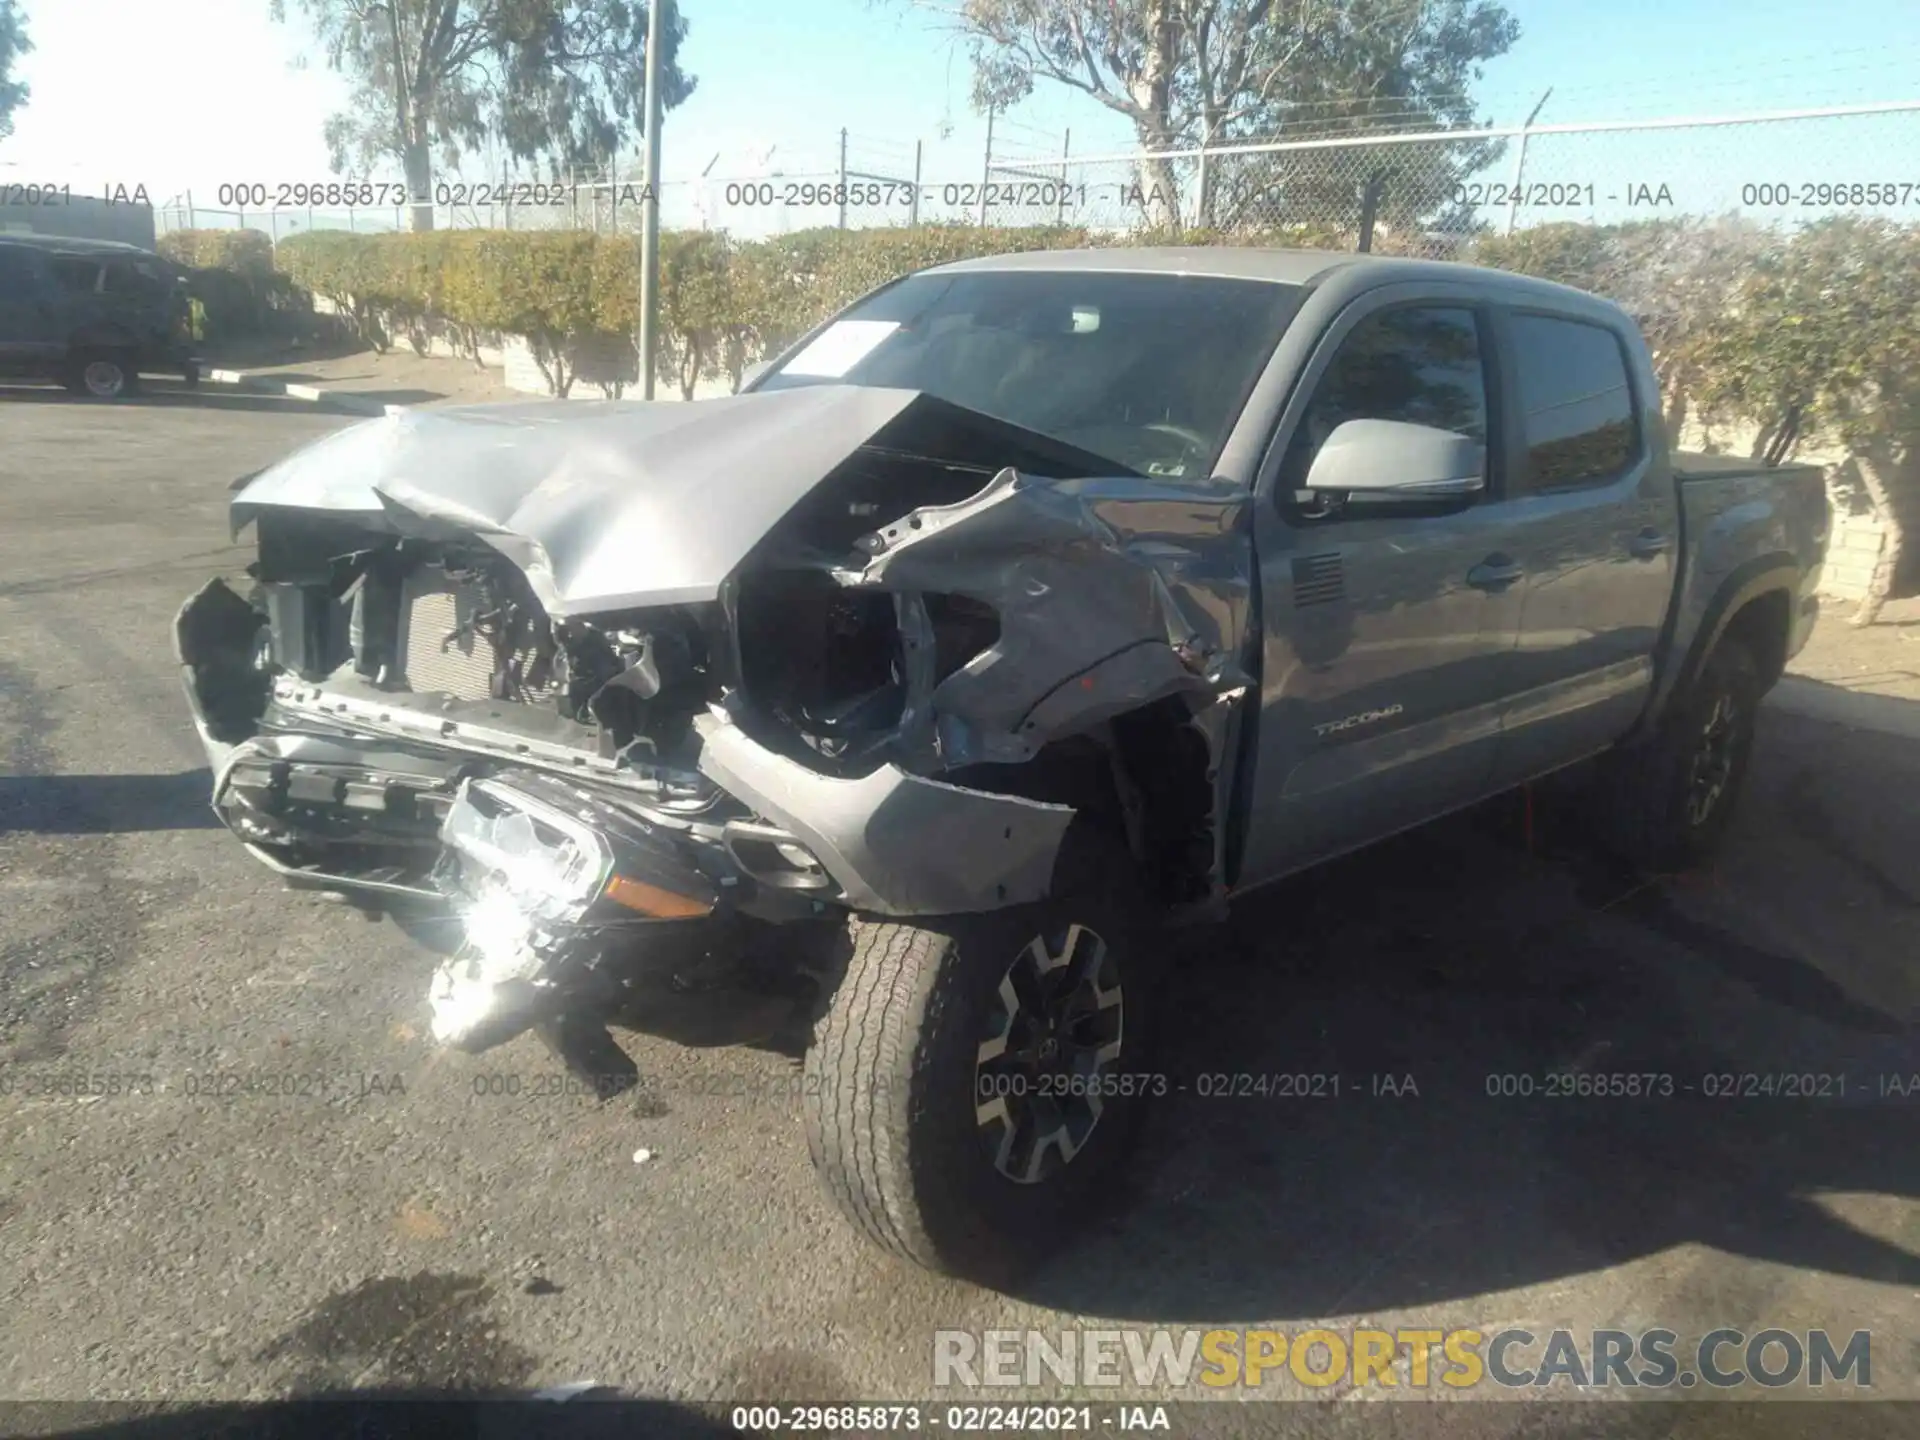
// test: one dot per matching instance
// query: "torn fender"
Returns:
(1112, 593)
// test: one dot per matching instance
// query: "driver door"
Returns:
(29, 336)
(1389, 628)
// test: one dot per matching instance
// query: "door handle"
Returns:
(1496, 572)
(1648, 543)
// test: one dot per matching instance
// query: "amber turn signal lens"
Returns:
(652, 900)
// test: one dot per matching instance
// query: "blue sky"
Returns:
(182, 95)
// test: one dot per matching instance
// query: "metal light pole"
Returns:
(650, 201)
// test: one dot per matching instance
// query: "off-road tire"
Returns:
(890, 1084)
(1645, 792)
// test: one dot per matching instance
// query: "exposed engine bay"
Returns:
(838, 649)
(455, 619)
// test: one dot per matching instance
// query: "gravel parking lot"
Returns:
(399, 1220)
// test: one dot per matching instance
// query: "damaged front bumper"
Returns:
(561, 874)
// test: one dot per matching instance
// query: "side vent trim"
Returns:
(1317, 580)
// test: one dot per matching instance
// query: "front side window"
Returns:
(1576, 402)
(1148, 371)
(1419, 364)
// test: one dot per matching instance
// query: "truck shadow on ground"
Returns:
(174, 395)
(392, 395)
(209, 396)
(1424, 988)
(396, 1412)
(106, 804)
(324, 341)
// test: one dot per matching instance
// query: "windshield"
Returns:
(1146, 370)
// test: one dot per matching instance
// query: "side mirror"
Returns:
(752, 373)
(1385, 460)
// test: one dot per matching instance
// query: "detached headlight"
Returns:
(548, 862)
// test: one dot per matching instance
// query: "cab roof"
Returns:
(1252, 262)
(78, 245)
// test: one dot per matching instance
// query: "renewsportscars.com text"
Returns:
(1513, 1358)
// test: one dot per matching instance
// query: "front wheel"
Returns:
(974, 1081)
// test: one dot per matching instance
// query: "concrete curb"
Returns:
(345, 400)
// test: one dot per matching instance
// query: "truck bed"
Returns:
(1740, 520)
(1697, 465)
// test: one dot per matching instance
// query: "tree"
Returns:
(13, 44)
(543, 286)
(696, 303)
(1672, 276)
(1808, 335)
(559, 81)
(1193, 72)
(1822, 338)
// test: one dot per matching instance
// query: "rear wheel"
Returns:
(102, 375)
(974, 1081)
(1666, 802)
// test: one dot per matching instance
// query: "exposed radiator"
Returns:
(439, 650)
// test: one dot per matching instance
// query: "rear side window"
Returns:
(1576, 402)
(81, 277)
(129, 278)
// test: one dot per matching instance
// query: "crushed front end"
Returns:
(626, 707)
(370, 741)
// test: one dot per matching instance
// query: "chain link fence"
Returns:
(1427, 192)
(746, 206)
(1422, 193)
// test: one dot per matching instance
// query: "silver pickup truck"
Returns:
(1030, 605)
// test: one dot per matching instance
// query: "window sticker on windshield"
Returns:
(840, 347)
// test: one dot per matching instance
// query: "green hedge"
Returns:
(723, 305)
(245, 252)
(240, 293)
(1735, 313)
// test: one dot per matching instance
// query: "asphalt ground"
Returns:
(402, 1222)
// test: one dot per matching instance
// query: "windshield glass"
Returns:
(1146, 370)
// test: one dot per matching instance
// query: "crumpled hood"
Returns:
(602, 505)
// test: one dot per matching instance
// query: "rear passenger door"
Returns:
(77, 286)
(1595, 528)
